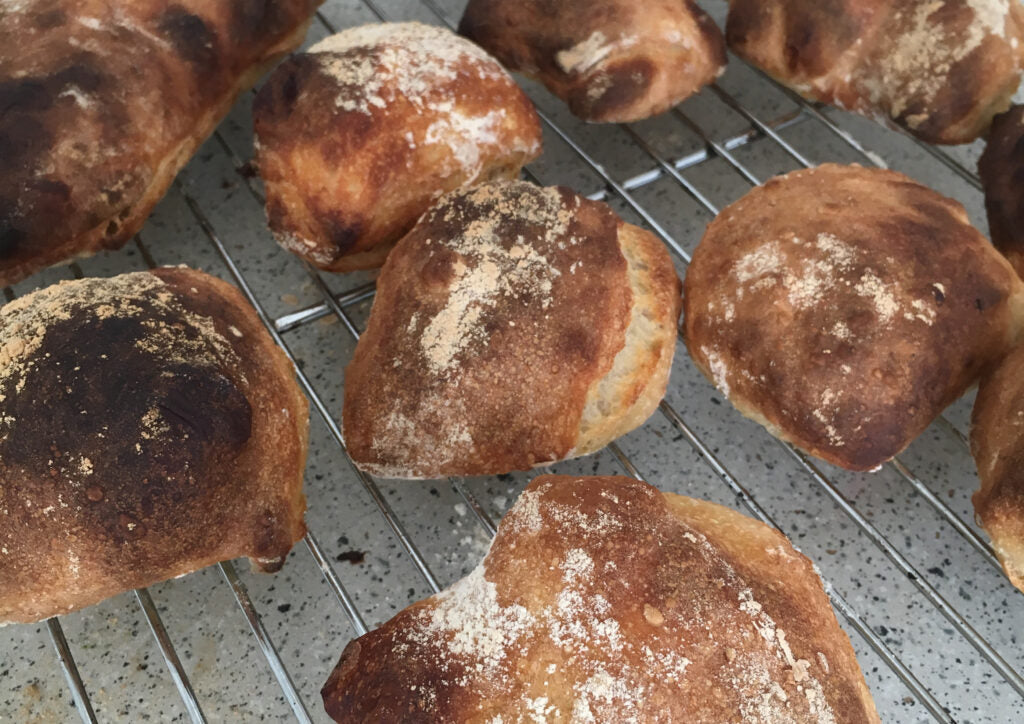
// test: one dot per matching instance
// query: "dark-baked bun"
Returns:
(604, 600)
(148, 427)
(514, 326)
(939, 68)
(843, 308)
(610, 60)
(103, 101)
(997, 442)
(357, 138)
(1001, 168)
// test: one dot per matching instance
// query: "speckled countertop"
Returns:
(117, 655)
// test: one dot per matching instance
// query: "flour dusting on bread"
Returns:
(605, 630)
(919, 67)
(489, 269)
(373, 62)
(25, 321)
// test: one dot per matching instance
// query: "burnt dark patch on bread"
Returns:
(624, 84)
(1001, 168)
(194, 40)
(141, 424)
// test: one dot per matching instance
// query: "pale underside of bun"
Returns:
(602, 599)
(630, 391)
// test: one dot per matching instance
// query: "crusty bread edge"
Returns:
(629, 392)
(757, 544)
(95, 239)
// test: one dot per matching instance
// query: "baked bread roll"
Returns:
(355, 139)
(610, 60)
(604, 600)
(514, 326)
(843, 308)
(941, 69)
(103, 101)
(148, 427)
(1001, 168)
(997, 442)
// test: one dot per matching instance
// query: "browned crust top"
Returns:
(939, 69)
(356, 138)
(148, 427)
(824, 303)
(96, 94)
(610, 60)
(1001, 168)
(997, 443)
(602, 599)
(493, 318)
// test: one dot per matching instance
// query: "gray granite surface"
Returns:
(119, 660)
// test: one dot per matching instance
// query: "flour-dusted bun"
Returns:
(610, 60)
(604, 600)
(997, 442)
(1001, 168)
(939, 68)
(148, 427)
(103, 101)
(357, 137)
(844, 308)
(514, 326)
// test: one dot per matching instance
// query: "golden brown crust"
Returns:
(823, 303)
(997, 443)
(610, 60)
(602, 599)
(1001, 168)
(104, 101)
(356, 138)
(148, 427)
(941, 70)
(485, 340)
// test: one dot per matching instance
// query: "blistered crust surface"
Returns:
(148, 427)
(603, 600)
(103, 101)
(941, 70)
(358, 136)
(823, 304)
(493, 318)
(610, 60)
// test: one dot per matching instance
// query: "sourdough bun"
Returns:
(941, 69)
(997, 443)
(844, 308)
(105, 100)
(514, 326)
(604, 600)
(610, 60)
(1001, 168)
(357, 137)
(148, 427)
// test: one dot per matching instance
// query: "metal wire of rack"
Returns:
(676, 170)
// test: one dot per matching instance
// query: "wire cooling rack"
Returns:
(913, 580)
